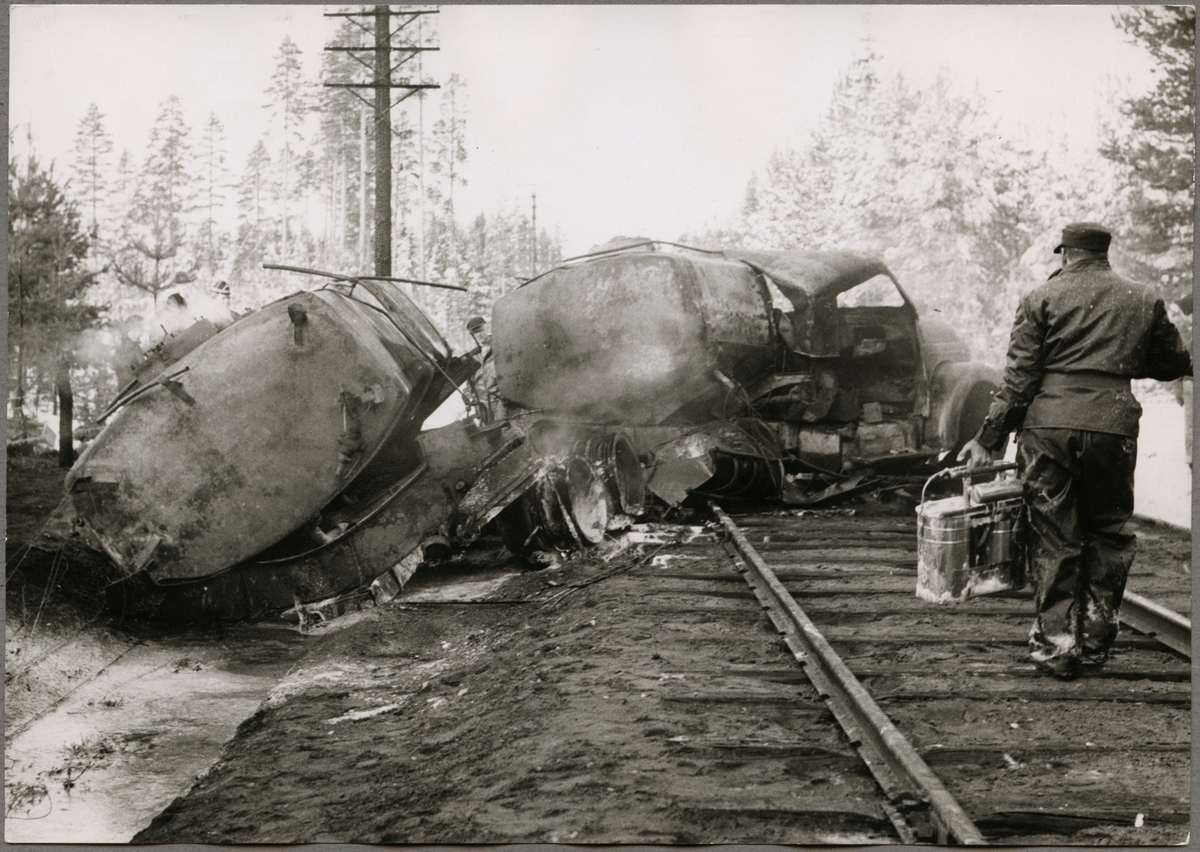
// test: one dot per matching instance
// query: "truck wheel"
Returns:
(565, 510)
(534, 522)
(586, 501)
(517, 526)
(622, 471)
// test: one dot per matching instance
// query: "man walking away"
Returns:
(1077, 341)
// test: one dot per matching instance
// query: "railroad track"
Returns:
(966, 741)
(645, 696)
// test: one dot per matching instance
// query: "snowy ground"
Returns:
(1162, 487)
(1163, 482)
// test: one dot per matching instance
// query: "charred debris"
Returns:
(280, 461)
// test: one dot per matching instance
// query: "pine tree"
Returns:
(121, 191)
(290, 104)
(449, 143)
(168, 182)
(449, 157)
(149, 253)
(212, 243)
(90, 166)
(494, 259)
(406, 199)
(341, 113)
(1156, 149)
(46, 275)
(917, 176)
(257, 235)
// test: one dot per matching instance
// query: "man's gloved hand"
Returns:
(976, 455)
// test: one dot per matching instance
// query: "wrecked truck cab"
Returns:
(890, 382)
(898, 386)
(731, 370)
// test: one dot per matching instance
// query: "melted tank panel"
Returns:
(632, 338)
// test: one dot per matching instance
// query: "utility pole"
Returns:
(533, 269)
(362, 187)
(383, 150)
(382, 83)
(421, 161)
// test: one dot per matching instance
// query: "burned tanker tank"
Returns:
(259, 426)
(640, 337)
(280, 460)
(747, 374)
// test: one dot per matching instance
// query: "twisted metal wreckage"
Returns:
(281, 460)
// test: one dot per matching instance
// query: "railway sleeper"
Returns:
(1100, 693)
(1017, 823)
(1126, 642)
(979, 753)
(1006, 612)
(1022, 670)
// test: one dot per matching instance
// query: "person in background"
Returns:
(487, 394)
(1077, 341)
(1180, 313)
(220, 313)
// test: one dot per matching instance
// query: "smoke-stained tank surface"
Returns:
(247, 436)
(633, 338)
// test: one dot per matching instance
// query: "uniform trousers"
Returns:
(1078, 486)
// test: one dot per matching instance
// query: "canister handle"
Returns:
(994, 467)
(967, 476)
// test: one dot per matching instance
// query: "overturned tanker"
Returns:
(280, 460)
(743, 373)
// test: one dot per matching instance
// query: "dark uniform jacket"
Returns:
(1077, 341)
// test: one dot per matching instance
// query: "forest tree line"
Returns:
(966, 216)
(95, 250)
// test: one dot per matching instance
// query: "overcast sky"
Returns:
(646, 120)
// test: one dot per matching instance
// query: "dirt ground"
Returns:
(539, 710)
(50, 599)
(517, 718)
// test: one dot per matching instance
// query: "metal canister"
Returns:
(972, 544)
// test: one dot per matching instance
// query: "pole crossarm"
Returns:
(382, 85)
(368, 47)
(369, 14)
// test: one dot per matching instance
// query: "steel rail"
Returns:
(910, 785)
(1159, 522)
(1168, 627)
